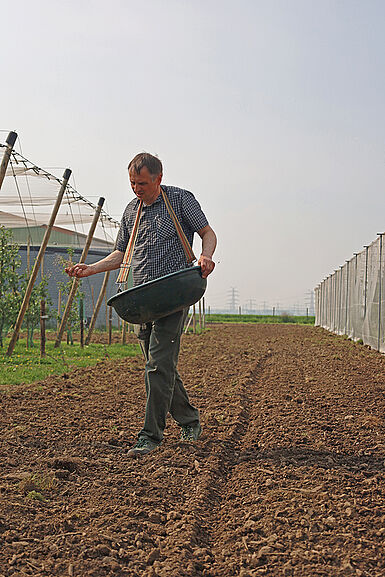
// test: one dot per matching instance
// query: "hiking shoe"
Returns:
(142, 447)
(189, 433)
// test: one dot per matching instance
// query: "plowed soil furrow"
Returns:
(287, 478)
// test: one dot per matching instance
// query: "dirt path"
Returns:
(287, 479)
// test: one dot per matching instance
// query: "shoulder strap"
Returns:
(190, 257)
(127, 259)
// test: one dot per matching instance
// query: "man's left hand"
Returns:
(207, 265)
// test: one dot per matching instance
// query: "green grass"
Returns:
(26, 366)
(276, 319)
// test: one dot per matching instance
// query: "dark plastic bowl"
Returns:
(160, 297)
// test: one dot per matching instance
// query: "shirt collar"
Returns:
(158, 199)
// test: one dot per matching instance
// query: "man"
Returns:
(158, 251)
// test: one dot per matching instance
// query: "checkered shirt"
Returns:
(158, 250)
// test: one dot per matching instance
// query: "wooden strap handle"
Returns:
(127, 259)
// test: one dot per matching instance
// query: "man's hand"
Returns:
(80, 270)
(110, 262)
(207, 265)
(209, 242)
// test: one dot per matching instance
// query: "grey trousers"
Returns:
(160, 343)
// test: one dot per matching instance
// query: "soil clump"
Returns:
(287, 478)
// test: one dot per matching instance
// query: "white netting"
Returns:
(28, 195)
(351, 301)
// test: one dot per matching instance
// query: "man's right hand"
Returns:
(79, 270)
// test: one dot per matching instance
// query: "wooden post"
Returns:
(188, 324)
(106, 313)
(97, 307)
(43, 318)
(109, 325)
(200, 315)
(36, 266)
(10, 142)
(204, 312)
(58, 309)
(194, 321)
(124, 331)
(76, 280)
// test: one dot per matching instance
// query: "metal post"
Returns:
(58, 309)
(36, 266)
(366, 279)
(76, 280)
(379, 294)
(335, 301)
(340, 300)
(347, 297)
(43, 318)
(355, 304)
(10, 142)
(200, 315)
(194, 321)
(81, 319)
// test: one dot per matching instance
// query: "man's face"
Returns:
(143, 185)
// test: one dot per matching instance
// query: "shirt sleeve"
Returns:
(192, 212)
(123, 234)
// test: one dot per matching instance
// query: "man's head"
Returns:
(145, 172)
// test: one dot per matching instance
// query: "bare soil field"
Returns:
(286, 480)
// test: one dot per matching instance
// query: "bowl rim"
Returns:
(150, 283)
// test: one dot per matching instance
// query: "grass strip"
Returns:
(270, 319)
(26, 365)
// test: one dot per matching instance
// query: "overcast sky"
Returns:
(271, 112)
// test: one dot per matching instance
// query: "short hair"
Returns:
(146, 160)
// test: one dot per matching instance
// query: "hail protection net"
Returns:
(27, 198)
(28, 195)
(351, 301)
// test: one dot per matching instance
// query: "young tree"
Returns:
(12, 288)
(39, 293)
(9, 281)
(73, 322)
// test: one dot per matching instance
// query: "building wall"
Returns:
(59, 237)
(53, 268)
